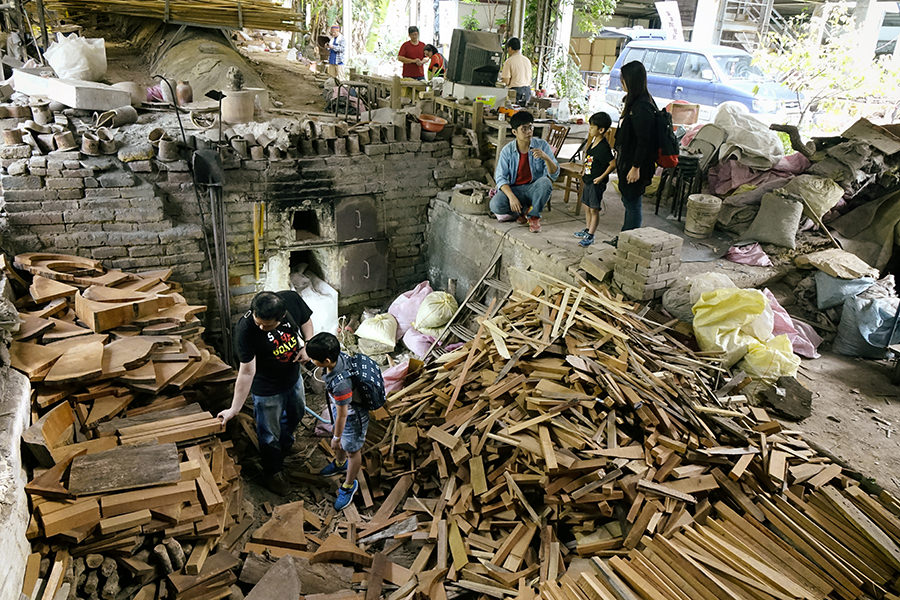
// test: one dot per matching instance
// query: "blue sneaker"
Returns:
(586, 240)
(333, 468)
(581, 234)
(345, 496)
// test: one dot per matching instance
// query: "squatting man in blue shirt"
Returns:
(526, 170)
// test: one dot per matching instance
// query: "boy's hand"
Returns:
(599, 180)
(302, 356)
(335, 443)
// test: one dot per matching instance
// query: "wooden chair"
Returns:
(556, 138)
(571, 179)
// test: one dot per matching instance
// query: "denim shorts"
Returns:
(355, 429)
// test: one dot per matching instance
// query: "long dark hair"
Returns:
(634, 76)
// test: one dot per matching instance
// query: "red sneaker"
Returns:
(521, 220)
(534, 224)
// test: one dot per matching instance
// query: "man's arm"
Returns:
(306, 331)
(545, 153)
(505, 74)
(245, 376)
(405, 59)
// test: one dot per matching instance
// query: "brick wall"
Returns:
(144, 214)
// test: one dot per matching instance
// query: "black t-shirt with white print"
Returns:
(277, 369)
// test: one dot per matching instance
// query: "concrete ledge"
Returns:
(15, 391)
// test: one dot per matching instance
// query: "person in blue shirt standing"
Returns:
(336, 48)
(526, 170)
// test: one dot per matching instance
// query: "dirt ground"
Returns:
(290, 83)
(856, 414)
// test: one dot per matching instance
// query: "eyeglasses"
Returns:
(527, 127)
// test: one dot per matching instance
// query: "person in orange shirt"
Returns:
(437, 67)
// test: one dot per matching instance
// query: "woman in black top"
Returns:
(636, 143)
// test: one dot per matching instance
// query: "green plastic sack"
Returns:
(378, 334)
(435, 311)
(728, 320)
(771, 360)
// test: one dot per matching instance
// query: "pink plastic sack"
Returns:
(393, 377)
(802, 343)
(406, 305)
(751, 254)
(417, 342)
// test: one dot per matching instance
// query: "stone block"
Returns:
(18, 166)
(116, 179)
(376, 149)
(22, 207)
(90, 182)
(14, 152)
(28, 195)
(39, 171)
(36, 218)
(64, 183)
(107, 252)
(141, 166)
(37, 161)
(20, 182)
(73, 194)
(78, 172)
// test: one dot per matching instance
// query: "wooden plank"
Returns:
(83, 513)
(376, 577)
(476, 475)
(125, 468)
(394, 499)
(126, 521)
(199, 554)
(44, 290)
(80, 364)
(284, 528)
(457, 548)
(125, 502)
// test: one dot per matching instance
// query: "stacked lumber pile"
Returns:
(233, 14)
(575, 449)
(131, 484)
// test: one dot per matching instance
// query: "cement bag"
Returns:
(728, 320)
(832, 291)
(436, 311)
(819, 193)
(378, 334)
(406, 305)
(776, 222)
(865, 327)
(708, 282)
(76, 57)
(770, 360)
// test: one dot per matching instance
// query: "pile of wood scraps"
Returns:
(576, 449)
(131, 482)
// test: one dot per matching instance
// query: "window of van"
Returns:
(694, 66)
(634, 54)
(738, 66)
(663, 63)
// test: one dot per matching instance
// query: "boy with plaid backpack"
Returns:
(355, 387)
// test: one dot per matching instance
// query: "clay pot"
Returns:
(124, 115)
(107, 141)
(157, 134)
(65, 141)
(12, 137)
(257, 152)
(41, 113)
(90, 145)
(184, 93)
(167, 150)
(240, 146)
(137, 91)
(238, 106)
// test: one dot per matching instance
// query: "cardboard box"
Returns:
(604, 47)
(581, 45)
(597, 63)
(585, 61)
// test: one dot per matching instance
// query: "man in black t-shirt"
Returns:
(269, 342)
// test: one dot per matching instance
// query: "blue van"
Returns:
(706, 75)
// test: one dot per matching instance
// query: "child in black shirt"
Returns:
(599, 163)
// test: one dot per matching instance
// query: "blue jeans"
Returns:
(523, 95)
(535, 194)
(633, 216)
(276, 419)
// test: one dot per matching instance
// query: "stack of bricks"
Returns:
(647, 262)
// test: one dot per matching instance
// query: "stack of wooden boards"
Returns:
(129, 468)
(576, 450)
(234, 14)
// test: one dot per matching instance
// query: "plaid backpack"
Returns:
(366, 377)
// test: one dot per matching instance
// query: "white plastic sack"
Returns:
(436, 311)
(76, 57)
(378, 334)
(322, 300)
(707, 282)
(749, 139)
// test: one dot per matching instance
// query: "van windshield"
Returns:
(738, 66)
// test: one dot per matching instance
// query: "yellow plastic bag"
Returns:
(771, 360)
(728, 320)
